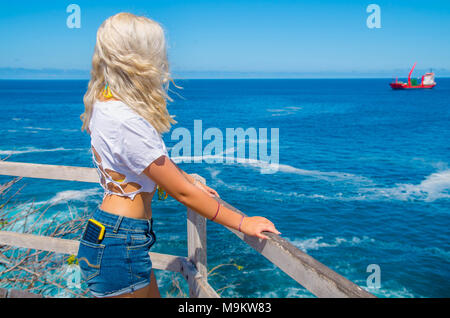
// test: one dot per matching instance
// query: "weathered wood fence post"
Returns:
(196, 238)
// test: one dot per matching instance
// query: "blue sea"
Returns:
(363, 179)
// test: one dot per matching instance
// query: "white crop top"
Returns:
(125, 143)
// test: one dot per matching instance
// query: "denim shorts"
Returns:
(120, 262)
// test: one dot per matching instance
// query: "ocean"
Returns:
(363, 175)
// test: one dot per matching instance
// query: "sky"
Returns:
(255, 38)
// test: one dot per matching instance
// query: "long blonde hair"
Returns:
(130, 56)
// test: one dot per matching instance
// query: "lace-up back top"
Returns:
(123, 144)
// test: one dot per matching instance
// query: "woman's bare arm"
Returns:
(192, 180)
(170, 177)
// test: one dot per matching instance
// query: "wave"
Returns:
(316, 243)
(329, 176)
(73, 195)
(399, 292)
(433, 187)
(283, 292)
(279, 194)
(63, 197)
(62, 129)
(37, 128)
(290, 110)
(213, 172)
(30, 129)
(70, 130)
(324, 175)
(33, 149)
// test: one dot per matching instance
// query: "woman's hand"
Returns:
(211, 192)
(255, 225)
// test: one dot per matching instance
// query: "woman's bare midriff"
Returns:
(139, 208)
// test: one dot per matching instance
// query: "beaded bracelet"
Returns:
(217, 212)
(240, 223)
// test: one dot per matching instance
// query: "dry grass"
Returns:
(33, 270)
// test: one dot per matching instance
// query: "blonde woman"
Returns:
(125, 115)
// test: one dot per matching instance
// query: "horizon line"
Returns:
(214, 78)
(10, 73)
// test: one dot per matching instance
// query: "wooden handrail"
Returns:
(44, 171)
(311, 274)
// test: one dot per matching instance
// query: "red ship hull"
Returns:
(406, 86)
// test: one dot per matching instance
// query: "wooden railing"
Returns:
(311, 274)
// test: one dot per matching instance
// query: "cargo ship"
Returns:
(427, 81)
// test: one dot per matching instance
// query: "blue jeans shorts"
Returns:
(119, 263)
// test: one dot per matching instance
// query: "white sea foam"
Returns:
(33, 149)
(62, 197)
(214, 172)
(317, 174)
(387, 292)
(317, 242)
(330, 176)
(290, 110)
(285, 292)
(279, 195)
(44, 128)
(31, 129)
(434, 186)
(38, 128)
(73, 195)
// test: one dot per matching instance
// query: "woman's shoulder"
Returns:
(115, 108)
(125, 117)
